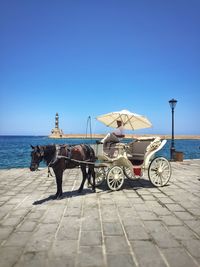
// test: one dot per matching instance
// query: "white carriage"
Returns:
(120, 161)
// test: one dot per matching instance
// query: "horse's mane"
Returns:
(49, 148)
(49, 152)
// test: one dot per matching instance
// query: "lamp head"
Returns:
(172, 103)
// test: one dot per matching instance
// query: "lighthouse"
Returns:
(56, 132)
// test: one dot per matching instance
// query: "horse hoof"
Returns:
(58, 196)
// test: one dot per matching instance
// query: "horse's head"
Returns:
(37, 155)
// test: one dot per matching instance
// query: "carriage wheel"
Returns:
(115, 178)
(128, 173)
(100, 174)
(159, 171)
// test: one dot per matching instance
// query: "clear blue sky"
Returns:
(81, 58)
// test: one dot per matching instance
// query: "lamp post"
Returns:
(172, 104)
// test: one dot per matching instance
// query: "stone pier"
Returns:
(140, 225)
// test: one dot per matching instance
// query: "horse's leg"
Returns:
(84, 174)
(91, 172)
(59, 175)
(88, 177)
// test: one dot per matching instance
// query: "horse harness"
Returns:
(68, 154)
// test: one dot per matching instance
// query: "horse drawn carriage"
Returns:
(131, 160)
(108, 161)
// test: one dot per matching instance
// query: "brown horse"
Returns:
(61, 157)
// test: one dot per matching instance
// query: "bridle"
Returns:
(40, 156)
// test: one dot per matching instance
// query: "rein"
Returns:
(75, 160)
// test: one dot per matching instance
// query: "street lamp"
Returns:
(172, 104)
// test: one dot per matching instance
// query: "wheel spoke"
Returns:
(111, 182)
(116, 183)
(157, 179)
(166, 167)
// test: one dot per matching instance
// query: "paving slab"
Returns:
(140, 225)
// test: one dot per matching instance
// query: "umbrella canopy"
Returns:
(131, 121)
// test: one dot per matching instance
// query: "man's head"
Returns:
(119, 123)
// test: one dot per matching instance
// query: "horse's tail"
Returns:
(91, 173)
(91, 153)
(91, 158)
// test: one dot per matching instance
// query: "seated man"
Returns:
(114, 137)
(119, 131)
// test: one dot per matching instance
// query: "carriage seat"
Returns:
(138, 148)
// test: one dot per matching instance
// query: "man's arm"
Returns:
(119, 135)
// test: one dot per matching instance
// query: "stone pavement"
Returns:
(139, 225)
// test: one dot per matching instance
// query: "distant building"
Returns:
(56, 132)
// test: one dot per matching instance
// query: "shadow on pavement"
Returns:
(129, 184)
(64, 195)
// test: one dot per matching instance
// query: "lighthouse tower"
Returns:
(56, 132)
(57, 121)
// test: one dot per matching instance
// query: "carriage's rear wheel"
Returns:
(100, 175)
(159, 171)
(129, 174)
(115, 178)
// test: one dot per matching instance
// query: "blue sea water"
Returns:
(15, 150)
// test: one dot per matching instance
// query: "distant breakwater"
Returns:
(128, 136)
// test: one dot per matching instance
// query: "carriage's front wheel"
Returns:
(115, 178)
(159, 171)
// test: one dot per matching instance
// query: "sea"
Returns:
(15, 150)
